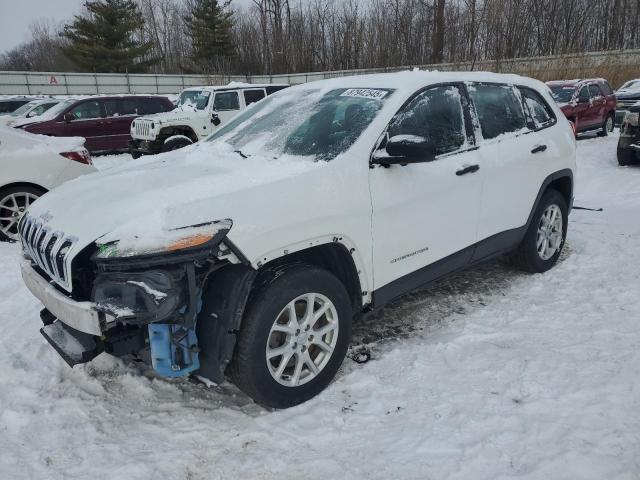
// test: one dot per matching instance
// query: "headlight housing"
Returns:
(166, 242)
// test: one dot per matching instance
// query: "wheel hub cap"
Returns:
(12, 208)
(302, 339)
(550, 233)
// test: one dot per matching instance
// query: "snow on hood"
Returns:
(156, 194)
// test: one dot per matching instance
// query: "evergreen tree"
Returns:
(103, 40)
(209, 27)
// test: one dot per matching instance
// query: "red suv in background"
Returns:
(105, 122)
(589, 104)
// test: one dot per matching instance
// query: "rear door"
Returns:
(120, 112)
(424, 212)
(583, 114)
(509, 153)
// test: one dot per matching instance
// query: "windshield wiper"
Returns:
(239, 152)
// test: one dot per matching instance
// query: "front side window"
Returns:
(583, 96)
(303, 123)
(434, 116)
(595, 92)
(540, 112)
(86, 110)
(226, 101)
(253, 96)
(499, 109)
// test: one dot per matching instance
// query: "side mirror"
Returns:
(405, 149)
(31, 114)
(215, 119)
(68, 117)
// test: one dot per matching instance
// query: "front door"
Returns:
(226, 105)
(424, 212)
(87, 120)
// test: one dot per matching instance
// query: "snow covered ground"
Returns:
(489, 374)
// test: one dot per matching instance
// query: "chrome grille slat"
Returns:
(48, 249)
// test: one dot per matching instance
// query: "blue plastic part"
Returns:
(174, 350)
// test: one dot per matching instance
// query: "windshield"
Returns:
(196, 98)
(23, 109)
(562, 94)
(631, 84)
(303, 123)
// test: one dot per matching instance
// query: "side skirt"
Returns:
(480, 252)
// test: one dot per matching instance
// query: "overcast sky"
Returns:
(16, 15)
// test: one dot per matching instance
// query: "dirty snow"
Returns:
(489, 374)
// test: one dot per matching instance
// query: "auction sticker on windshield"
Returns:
(365, 93)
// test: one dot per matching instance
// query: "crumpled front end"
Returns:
(121, 297)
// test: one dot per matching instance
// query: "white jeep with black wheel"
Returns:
(247, 256)
(200, 111)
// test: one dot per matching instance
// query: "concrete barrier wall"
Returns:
(617, 66)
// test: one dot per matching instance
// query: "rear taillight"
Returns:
(81, 156)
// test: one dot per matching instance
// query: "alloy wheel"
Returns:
(302, 339)
(12, 208)
(549, 238)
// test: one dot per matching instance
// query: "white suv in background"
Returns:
(249, 255)
(200, 111)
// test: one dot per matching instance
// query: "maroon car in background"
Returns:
(590, 104)
(105, 122)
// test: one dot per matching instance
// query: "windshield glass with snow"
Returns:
(195, 98)
(23, 109)
(562, 94)
(304, 123)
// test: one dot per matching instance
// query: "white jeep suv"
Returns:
(249, 254)
(200, 111)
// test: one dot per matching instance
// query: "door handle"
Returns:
(467, 169)
(539, 149)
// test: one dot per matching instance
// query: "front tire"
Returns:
(175, 143)
(626, 156)
(13, 203)
(294, 336)
(542, 244)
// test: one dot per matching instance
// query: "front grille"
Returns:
(627, 102)
(142, 129)
(48, 249)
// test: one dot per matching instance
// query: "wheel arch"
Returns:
(170, 131)
(23, 184)
(562, 181)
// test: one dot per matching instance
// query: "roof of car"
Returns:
(415, 79)
(575, 82)
(234, 86)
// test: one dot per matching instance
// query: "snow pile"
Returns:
(490, 374)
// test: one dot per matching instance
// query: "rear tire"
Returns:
(276, 347)
(626, 157)
(13, 202)
(176, 143)
(607, 127)
(542, 244)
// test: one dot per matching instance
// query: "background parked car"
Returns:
(8, 105)
(201, 110)
(30, 165)
(627, 96)
(29, 110)
(104, 121)
(590, 104)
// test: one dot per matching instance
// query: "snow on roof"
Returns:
(233, 85)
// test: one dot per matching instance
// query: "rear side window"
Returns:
(539, 110)
(120, 107)
(253, 96)
(595, 91)
(274, 89)
(148, 106)
(499, 109)
(226, 101)
(86, 110)
(606, 88)
(434, 116)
